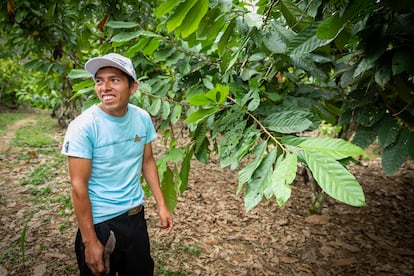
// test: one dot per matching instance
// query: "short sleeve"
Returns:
(77, 142)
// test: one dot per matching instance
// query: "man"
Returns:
(108, 147)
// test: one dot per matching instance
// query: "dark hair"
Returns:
(130, 79)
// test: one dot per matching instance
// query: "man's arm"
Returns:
(80, 172)
(150, 171)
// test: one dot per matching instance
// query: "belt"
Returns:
(134, 210)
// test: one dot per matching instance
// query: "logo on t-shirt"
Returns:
(67, 146)
(137, 139)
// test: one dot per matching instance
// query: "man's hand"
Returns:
(94, 257)
(166, 219)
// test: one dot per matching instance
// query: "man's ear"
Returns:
(133, 88)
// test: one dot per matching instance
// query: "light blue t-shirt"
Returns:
(116, 146)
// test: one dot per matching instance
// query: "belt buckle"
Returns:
(135, 210)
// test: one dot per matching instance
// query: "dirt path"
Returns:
(10, 132)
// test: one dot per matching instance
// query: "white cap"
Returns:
(111, 60)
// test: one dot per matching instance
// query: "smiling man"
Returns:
(108, 148)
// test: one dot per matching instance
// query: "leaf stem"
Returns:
(261, 126)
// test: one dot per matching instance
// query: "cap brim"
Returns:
(94, 64)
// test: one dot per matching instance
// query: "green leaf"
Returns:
(395, 155)
(87, 90)
(282, 177)
(176, 113)
(402, 61)
(155, 107)
(168, 189)
(364, 137)
(137, 47)
(250, 136)
(246, 173)
(334, 179)
(228, 142)
(199, 135)
(185, 169)
(166, 7)
(306, 41)
(254, 100)
(121, 24)
(218, 94)
(410, 145)
(79, 74)
(383, 75)
(203, 153)
(296, 18)
(235, 154)
(388, 131)
(331, 147)
(201, 114)
(368, 62)
(151, 47)
(333, 25)
(274, 43)
(165, 110)
(193, 18)
(224, 40)
(125, 37)
(288, 122)
(200, 99)
(83, 84)
(369, 115)
(180, 13)
(262, 177)
(330, 27)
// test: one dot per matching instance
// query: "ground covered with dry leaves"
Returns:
(213, 235)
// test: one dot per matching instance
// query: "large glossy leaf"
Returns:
(395, 155)
(334, 24)
(282, 177)
(295, 17)
(288, 122)
(200, 100)
(199, 135)
(261, 178)
(201, 114)
(168, 189)
(79, 74)
(410, 145)
(332, 147)
(179, 14)
(388, 131)
(333, 178)
(193, 18)
(364, 137)
(155, 107)
(369, 115)
(306, 41)
(185, 169)
(249, 137)
(246, 173)
(166, 7)
(330, 27)
(121, 24)
(176, 113)
(278, 39)
(223, 42)
(228, 142)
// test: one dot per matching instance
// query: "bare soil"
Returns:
(213, 234)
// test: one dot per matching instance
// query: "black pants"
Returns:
(131, 255)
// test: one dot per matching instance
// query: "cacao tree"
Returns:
(246, 87)
(250, 82)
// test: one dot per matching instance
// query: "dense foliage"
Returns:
(250, 81)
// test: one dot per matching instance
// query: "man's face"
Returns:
(112, 89)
